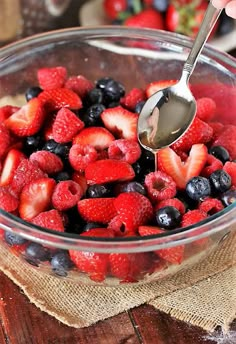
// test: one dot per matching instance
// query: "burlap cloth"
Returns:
(204, 295)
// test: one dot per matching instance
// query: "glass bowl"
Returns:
(135, 58)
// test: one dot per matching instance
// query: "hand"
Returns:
(230, 6)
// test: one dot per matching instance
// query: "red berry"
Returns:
(212, 164)
(53, 77)
(5, 140)
(36, 198)
(124, 150)
(159, 186)
(156, 86)
(10, 164)
(107, 171)
(98, 137)
(227, 139)
(82, 155)
(60, 98)
(101, 210)
(48, 162)
(133, 209)
(173, 202)
(148, 18)
(50, 219)
(112, 8)
(81, 180)
(131, 99)
(211, 206)
(6, 111)
(217, 129)
(206, 109)
(80, 85)
(192, 217)
(66, 195)
(8, 201)
(230, 168)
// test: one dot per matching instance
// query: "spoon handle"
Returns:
(209, 20)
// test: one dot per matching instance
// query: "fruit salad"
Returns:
(71, 162)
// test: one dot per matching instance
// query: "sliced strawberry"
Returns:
(50, 219)
(6, 111)
(80, 85)
(11, 162)
(53, 77)
(121, 122)
(36, 198)
(49, 162)
(98, 137)
(60, 98)
(181, 172)
(8, 201)
(106, 171)
(28, 120)
(192, 217)
(81, 180)
(174, 255)
(156, 86)
(101, 210)
(5, 140)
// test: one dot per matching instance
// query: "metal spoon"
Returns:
(168, 113)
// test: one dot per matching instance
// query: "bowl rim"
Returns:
(166, 239)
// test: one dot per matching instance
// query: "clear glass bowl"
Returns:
(134, 57)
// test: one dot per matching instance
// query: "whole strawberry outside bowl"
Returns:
(79, 198)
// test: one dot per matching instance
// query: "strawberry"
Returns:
(6, 111)
(53, 77)
(120, 122)
(98, 137)
(36, 198)
(147, 18)
(10, 164)
(210, 206)
(227, 139)
(80, 85)
(8, 201)
(198, 132)
(174, 255)
(48, 162)
(170, 163)
(131, 99)
(112, 8)
(129, 267)
(60, 98)
(156, 86)
(206, 109)
(192, 217)
(101, 210)
(5, 140)
(28, 119)
(133, 209)
(96, 265)
(173, 202)
(50, 219)
(26, 172)
(125, 150)
(81, 180)
(107, 171)
(159, 186)
(66, 125)
(82, 155)
(66, 194)
(230, 168)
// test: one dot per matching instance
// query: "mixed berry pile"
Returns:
(71, 162)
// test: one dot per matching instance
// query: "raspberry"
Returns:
(117, 226)
(192, 217)
(49, 219)
(160, 186)
(80, 85)
(8, 201)
(81, 155)
(206, 109)
(81, 180)
(212, 164)
(211, 206)
(66, 125)
(131, 99)
(125, 150)
(217, 129)
(53, 77)
(48, 162)
(230, 168)
(173, 202)
(227, 139)
(5, 140)
(66, 195)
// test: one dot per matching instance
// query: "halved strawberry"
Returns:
(181, 172)
(107, 171)
(122, 123)
(156, 86)
(53, 77)
(36, 198)
(6, 111)
(5, 140)
(8, 201)
(28, 119)
(98, 137)
(101, 210)
(172, 255)
(11, 162)
(60, 97)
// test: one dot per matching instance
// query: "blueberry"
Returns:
(95, 96)
(141, 171)
(32, 144)
(61, 263)
(168, 217)
(32, 92)
(61, 176)
(160, 5)
(198, 188)
(99, 190)
(139, 106)
(101, 83)
(228, 197)
(133, 187)
(74, 223)
(113, 91)
(220, 153)
(220, 181)
(148, 158)
(95, 110)
(62, 150)
(36, 253)
(14, 239)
